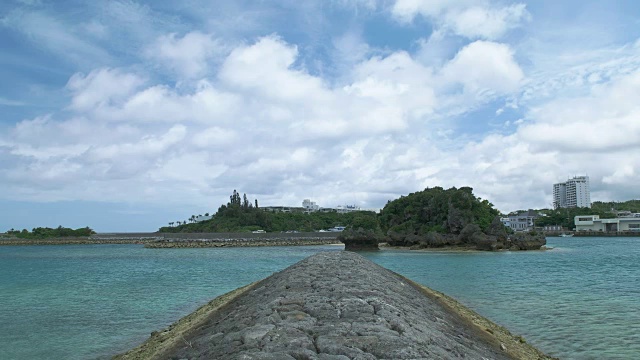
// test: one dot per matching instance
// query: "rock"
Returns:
(413, 239)
(395, 238)
(470, 234)
(497, 229)
(336, 306)
(484, 242)
(456, 220)
(359, 239)
(528, 241)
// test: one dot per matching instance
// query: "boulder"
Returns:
(359, 239)
(527, 241)
(470, 234)
(395, 238)
(484, 242)
(497, 229)
(412, 240)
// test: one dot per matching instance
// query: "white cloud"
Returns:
(267, 68)
(255, 118)
(471, 19)
(101, 87)
(604, 120)
(484, 66)
(479, 22)
(189, 56)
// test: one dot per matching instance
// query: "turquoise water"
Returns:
(580, 300)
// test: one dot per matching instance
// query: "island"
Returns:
(436, 218)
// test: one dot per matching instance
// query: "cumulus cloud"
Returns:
(471, 19)
(253, 117)
(484, 66)
(102, 87)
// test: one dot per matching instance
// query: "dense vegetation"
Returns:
(241, 215)
(437, 210)
(631, 205)
(45, 233)
(436, 217)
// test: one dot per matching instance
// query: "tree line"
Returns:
(45, 232)
(242, 215)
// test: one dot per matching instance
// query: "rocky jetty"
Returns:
(334, 306)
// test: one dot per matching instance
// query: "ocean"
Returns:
(580, 300)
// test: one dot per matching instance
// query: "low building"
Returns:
(347, 208)
(284, 209)
(594, 223)
(523, 221)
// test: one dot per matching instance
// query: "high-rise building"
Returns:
(572, 193)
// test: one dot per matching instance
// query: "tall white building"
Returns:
(572, 193)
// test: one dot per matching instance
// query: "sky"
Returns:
(125, 115)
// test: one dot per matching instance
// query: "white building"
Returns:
(347, 208)
(572, 193)
(524, 221)
(594, 223)
(310, 205)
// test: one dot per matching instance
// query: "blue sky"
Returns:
(124, 115)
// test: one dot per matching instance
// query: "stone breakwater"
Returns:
(238, 243)
(70, 241)
(199, 240)
(186, 240)
(334, 306)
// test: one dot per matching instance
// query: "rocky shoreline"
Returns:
(335, 305)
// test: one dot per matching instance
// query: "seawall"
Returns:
(334, 305)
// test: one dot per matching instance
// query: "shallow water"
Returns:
(580, 300)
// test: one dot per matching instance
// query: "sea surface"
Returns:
(580, 300)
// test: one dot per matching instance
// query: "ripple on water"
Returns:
(580, 300)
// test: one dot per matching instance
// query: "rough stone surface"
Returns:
(359, 239)
(336, 306)
(527, 241)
